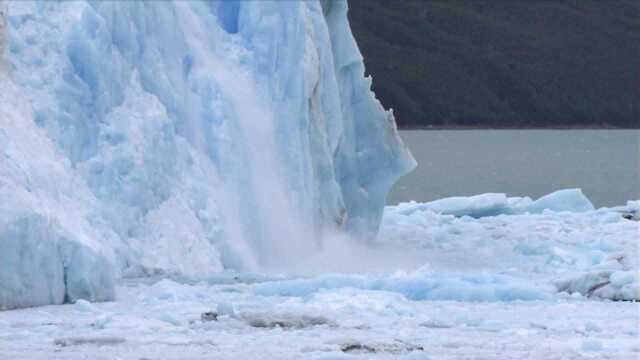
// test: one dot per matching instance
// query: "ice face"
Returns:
(50, 234)
(184, 138)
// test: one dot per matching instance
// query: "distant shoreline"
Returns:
(461, 127)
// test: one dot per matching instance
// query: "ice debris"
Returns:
(414, 286)
(82, 340)
(478, 206)
(605, 284)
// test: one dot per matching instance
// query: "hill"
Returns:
(500, 63)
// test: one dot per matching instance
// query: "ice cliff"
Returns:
(181, 138)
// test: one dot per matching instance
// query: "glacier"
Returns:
(181, 138)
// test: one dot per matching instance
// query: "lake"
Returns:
(604, 163)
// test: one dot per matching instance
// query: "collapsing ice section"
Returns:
(181, 138)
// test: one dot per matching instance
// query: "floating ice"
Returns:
(562, 200)
(474, 206)
(586, 253)
(478, 206)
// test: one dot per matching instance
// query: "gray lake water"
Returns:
(604, 163)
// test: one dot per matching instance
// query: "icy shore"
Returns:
(511, 286)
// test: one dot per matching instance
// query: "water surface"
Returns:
(604, 163)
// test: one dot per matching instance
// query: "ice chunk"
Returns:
(97, 341)
(562, 200)
(85, 306)
(284, 320)
(633, 206)
(474, 206)
(484, 205)
(209, 316)
(622, 278)
(102, 321)
(631, 211)
(591, 345)
(396, 348)
(613, 285)
(225, 308)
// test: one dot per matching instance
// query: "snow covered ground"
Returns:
(507, 286)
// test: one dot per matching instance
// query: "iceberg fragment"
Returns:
(478, 206)
(474, 206)
(562, 200)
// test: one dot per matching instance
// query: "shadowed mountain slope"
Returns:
(503, 63)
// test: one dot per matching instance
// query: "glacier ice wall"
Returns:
(3, 25)
(182, 138)
(50, 238)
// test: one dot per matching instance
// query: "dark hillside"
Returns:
(503, 63)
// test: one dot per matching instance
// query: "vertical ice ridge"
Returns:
(3, 32)
(371, 156)
(190, 137)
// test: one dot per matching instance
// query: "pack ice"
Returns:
(182, 138)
